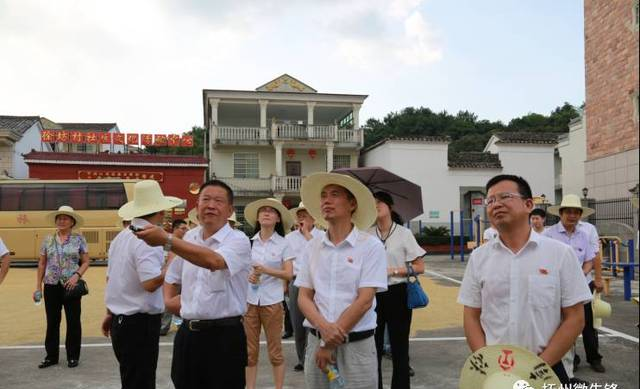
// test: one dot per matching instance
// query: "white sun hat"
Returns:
(147, 199)
(251, 212)
(571, 201)
(65, 210)
(601, 309)
(364, 216)
(234, 219)
(505, 366)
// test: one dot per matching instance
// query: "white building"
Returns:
(262, 142)
(18, 135)
(570, 159)
(457, 182)
(84, 128)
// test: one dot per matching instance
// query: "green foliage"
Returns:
(197, 149)
(423, 239)
(467, 133)
(435, 231)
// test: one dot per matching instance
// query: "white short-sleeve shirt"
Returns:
(206, 294)
(489, 234)
(335, 273)
(3, 249)
(273, 253)
(594, 238)
(521, 295)
(131, 262)
(298, 244)
(401, 247)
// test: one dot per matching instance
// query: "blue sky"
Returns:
(144, 64)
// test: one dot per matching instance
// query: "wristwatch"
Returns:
(169, 244)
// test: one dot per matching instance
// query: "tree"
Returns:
(196, 132)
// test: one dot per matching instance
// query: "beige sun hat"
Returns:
(234, 219)
(364, 216)
(251, 212)
(147, 199)
(320, 223)
(192, 216)
(571, 201)
(601, 309)
(506, 367)
(65, 210)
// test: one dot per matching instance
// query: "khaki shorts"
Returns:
(271, 318)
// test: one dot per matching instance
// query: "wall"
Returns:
(30, 140)
(573, 153)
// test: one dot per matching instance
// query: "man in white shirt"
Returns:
(133, 295)
(339, 276)
(5, 261)
(522, 288)
(212, 266)
(489, 234)
(298, 241)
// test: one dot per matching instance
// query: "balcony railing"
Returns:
(257, 135)
(263, 186)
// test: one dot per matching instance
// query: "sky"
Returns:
(144, 63)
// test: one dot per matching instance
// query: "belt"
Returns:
(353, 336)
(199, 325)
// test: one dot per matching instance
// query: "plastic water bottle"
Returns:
(256, 286)
(177, 320)
(37, 297)
(335, 379)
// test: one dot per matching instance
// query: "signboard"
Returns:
(120, 174)
(476, 201)
(108, 138)
(434, 214)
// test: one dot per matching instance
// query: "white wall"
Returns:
(535, 163)
(573, 153)
(30, 140)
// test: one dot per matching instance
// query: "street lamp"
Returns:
(585, 192)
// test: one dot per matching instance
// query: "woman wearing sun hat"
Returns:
(271, 260)
(64, 259)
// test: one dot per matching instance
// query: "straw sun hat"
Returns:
(294, 213)
(601, 309)
(364, 216)
(506, 367)
(147, 199)
(251, 212)
(571, 201)
(65, 210)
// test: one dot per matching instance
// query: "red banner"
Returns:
(91, 138)
(159, 140)
(186, 141)
(118, 138)
(132, 139)
(62, 136)
(146, 139)
(47, 136)
(121, 174)
(105, 138)
(173, 140)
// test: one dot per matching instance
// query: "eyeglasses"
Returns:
(501, 198)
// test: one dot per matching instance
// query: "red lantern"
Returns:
(291, 153)
(313, 153)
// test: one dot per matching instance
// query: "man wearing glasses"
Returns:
(522, 288)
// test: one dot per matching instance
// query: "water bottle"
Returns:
(37, 297)
(335, 379)
(177, 320)
(257, 284)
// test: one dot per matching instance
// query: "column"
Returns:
(214, 111)
(213, 131)
(329, 157)
(356, 116)
(310, 107)
(278, 146)
(263, 118)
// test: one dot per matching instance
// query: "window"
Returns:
(245, 165)
(347, 121)
(48, 197)
(341, 161)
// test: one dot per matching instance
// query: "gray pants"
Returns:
(299, 332)
(357, 363)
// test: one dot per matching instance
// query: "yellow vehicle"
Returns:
(24, 205)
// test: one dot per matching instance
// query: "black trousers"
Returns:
(135, 343)
(558, 368)
(392, 311)
(54, 302)
(589, 334)
(212, 358)
(288, 328)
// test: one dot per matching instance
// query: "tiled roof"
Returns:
(18, 124)
(527, 137)
(93, 127)
(416, 139)
(114, 159)
(474, 160)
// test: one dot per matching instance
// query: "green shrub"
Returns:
(435, 231)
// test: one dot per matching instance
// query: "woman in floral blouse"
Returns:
(63, 261)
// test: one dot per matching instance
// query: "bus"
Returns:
(25, 203)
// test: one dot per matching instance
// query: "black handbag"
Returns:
(77, 291)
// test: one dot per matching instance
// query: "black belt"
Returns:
(199, 325)
(353, 336)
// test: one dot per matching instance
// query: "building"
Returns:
(611, 105)
(176, 174)
(262, 142)
(571, 155)
(454, 182)
(84, 129)
(18, 135)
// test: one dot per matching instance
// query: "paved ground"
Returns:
(438, 349)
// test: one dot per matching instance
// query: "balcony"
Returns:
(286, 132)
(263, 186)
